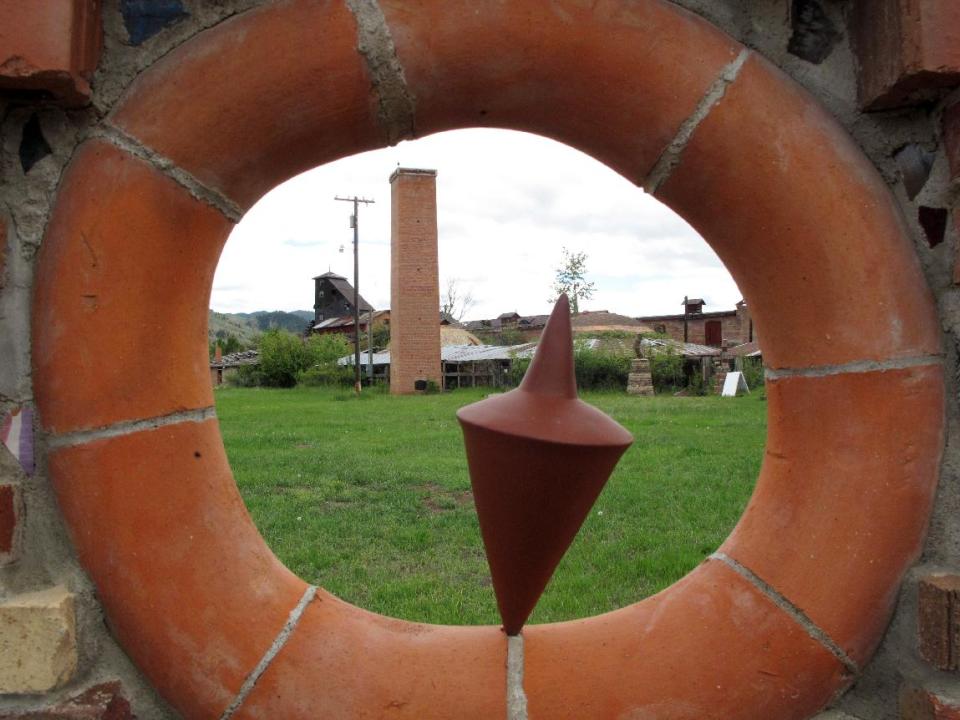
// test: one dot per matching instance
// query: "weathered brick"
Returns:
(100, 702)
(50, 46)
(10, 514)
(906, 49)
(938, 620)
(917, 703)
(38, 641)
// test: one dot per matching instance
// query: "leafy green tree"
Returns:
(327, 349)
(324, 351)
(571, 279)
(283, 356)
(381, 336)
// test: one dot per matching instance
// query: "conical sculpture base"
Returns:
(538, 459)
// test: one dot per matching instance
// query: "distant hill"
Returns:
(246, 326)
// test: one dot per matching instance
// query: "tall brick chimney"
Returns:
(414, 280)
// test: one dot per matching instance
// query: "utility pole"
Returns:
(354, 223)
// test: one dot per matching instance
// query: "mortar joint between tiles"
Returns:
(230, 209)
(261, 667)
(855, 367)
(516, 696)
(56, 441)
(798, 616)
(396, 105)
(672, 155)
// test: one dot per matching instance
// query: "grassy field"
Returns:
(370, 498)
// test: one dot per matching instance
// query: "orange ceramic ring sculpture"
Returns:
(772, 626)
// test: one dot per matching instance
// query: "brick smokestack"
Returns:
(414, 280)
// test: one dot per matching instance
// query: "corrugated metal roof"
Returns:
(685, 349)
(457, 354)
(476, 353)
(748, 349)
(327, 323)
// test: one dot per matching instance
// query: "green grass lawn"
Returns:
(371, 499)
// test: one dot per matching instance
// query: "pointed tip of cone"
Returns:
(551, 371)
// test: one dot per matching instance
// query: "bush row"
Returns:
(286, 360)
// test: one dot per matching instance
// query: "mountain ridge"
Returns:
(245, 327)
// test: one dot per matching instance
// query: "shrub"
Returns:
(381, 336)
(595, 369)
(696, 385)
(666, 370)
(600, 369)
(753, 373)
(327, 349)
(245, 376)
(283, 356)
(323, 351)
(327, 375)
(518, 368)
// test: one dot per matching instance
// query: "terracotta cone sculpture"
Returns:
(538, 459)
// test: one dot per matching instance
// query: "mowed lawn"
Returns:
(370, 498)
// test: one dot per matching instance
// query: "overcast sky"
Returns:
(508, 202)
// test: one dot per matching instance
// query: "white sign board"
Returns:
(734, 384)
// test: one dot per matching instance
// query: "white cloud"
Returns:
(507, 203)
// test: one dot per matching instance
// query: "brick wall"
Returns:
(414, 280)
(730, 328)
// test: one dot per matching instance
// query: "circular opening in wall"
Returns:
(369, 496)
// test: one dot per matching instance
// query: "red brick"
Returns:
(271, 93)
(10, 514)
(938, 620)
(844, 495)
(188, 585)
(522, 65)
(906, 49)
(918, 703)
(51, 46)
(343, 662)
(806, 226)
(414, 281)
(711, 646)
(951, 138)
(100, 702)
(123, 287)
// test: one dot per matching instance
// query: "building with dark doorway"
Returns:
(722, 328)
